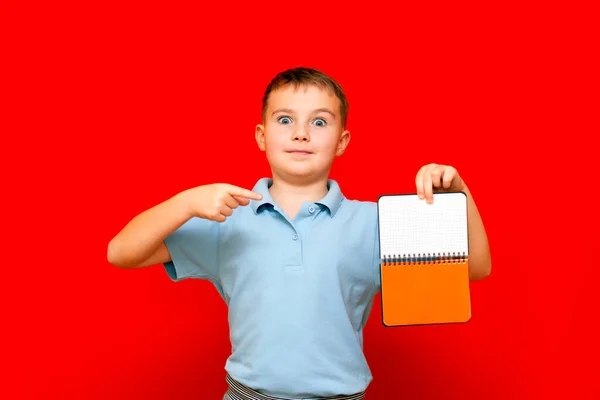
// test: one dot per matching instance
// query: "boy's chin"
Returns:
(300, 172)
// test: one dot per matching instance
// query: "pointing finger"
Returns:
(241, 192)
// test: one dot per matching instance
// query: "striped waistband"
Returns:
(238, 391)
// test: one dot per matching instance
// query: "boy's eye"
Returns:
(285, 120)
(320, 122)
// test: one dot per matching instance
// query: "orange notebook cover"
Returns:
(424, 253)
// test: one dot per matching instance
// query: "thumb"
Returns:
(243, 201)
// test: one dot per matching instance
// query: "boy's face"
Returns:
(302, 132)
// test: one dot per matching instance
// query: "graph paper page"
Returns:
(410, 226)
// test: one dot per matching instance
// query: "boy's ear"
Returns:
(260, 136)
(343, 143)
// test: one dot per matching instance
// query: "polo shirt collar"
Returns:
(332, 200)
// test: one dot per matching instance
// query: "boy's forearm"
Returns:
(480, 262)
(140, 238)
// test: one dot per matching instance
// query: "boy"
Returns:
(295, 261)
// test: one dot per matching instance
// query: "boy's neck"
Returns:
(290, 195)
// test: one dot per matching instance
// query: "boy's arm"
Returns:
(141, 242)
(480, 261)
(441, 178)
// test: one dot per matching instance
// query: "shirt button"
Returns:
(295, 237)
(311, 209)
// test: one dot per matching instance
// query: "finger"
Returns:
(449, 175)
(428, 186)
(436, 176)
(241, 192)
(225, 211)
(242, 201)
(230, 201)
(419, 183)
(218, 217)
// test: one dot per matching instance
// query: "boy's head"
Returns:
(298, 77)
(304, 117)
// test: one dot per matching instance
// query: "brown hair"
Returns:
(307, 76)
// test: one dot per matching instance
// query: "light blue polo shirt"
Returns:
(299, 292)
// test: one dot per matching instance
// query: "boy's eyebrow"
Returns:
(285, 110)
(327, 110)
(290, 111)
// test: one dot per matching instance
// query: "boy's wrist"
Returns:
(183, 204)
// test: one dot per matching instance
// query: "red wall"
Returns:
(114, 108)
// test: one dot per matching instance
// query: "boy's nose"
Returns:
(301, 133)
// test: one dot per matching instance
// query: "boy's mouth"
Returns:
(299, 152)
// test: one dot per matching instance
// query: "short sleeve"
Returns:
(194, 250)
(376, 260)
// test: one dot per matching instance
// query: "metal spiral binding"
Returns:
(425, 259)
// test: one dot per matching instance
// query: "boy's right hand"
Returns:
(216, 202)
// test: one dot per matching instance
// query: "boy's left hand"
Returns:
(437, 178)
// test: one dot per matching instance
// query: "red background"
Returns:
(112, 108)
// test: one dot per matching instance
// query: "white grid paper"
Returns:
(409, 226)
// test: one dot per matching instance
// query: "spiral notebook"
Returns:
(424, 252)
